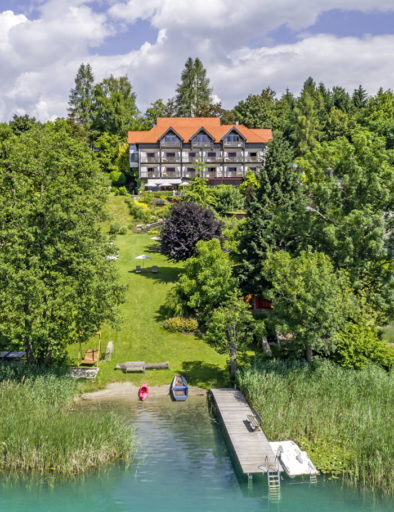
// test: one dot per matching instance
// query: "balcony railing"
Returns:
(233, 144)
(150, 159)
(170, 144)
(170, 174)
(189, 174)
(239, 173)
(238, 158)
(212, 159)
(197, 144)
(150, 174)
(249, 158)
(169, 159)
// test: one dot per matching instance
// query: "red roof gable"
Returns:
(186, 127)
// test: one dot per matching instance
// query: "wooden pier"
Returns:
(250, 445)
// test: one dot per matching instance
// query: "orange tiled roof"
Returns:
(186, 127)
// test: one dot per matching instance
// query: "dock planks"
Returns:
(251, 447)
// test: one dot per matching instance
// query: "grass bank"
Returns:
(43, 431)
(342, 418)
(141, 336)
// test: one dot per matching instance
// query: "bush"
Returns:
(358, 345)
(181, 324)
(117, 178)
(228, 198)
(122, 230)
(138, 212)
(123, 191)
(114, 228)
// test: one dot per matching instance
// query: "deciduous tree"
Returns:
(56, 284)
(186, 225)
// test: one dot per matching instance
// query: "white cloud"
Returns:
(39, 58)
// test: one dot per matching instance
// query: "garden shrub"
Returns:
(122, 230)
(117, 178)
(358, 345)
(114, 228)
(138, 212)
(123, 191)
(228, 198)
(181, 324)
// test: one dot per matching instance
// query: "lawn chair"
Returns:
(154, 270)
(91, 357)
(138, 269)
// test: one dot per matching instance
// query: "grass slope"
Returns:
(141, 336)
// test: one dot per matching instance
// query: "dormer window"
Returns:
(171, 138)
(232, 138)
(201, 139)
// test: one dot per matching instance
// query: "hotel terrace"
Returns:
(179, 148)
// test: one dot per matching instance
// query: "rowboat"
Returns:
(143, 391)
(179, 388)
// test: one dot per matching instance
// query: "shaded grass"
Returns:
(141, 336)
(43, 431)
(343, 418)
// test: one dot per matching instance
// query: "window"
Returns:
(211, 154)
(151, 169)
(170, 169)
(232, 154)
(190, 169)
(192, 154)
(232, 169)
(253, 154)
(253, 169)
(171, 138)
(170, 155)
(150, 155)
(201, 137)
(232, 138)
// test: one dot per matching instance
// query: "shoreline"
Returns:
(130, 391)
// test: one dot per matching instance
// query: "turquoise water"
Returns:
(182, 464)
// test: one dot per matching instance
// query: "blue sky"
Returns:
(245, 46)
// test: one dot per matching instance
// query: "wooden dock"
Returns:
(250, 446)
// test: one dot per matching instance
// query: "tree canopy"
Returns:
(56, 284)
(193, 93)
(187, 224)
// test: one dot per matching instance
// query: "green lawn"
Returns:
(141, 336)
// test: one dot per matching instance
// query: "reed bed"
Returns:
(343, 418)
(43, 431)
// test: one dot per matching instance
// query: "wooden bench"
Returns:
(91, 357)
(253, 422)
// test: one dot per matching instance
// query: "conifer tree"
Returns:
(274, 215)
(81, 96)
(193, 93)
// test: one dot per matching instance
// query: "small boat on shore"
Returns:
(143, 391)
(179, 388)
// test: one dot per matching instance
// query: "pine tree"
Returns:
(359, 97)
(80, 99)
(193, 93)
(274, 215)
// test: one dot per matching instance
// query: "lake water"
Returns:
(182, 464)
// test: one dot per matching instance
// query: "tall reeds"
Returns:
(343, 418)
(41, 429)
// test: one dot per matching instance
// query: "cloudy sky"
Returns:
(245, 45)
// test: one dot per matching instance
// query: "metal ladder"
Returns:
(273, 476)
(313, 479)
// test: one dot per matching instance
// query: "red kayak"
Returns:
(143, 391)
